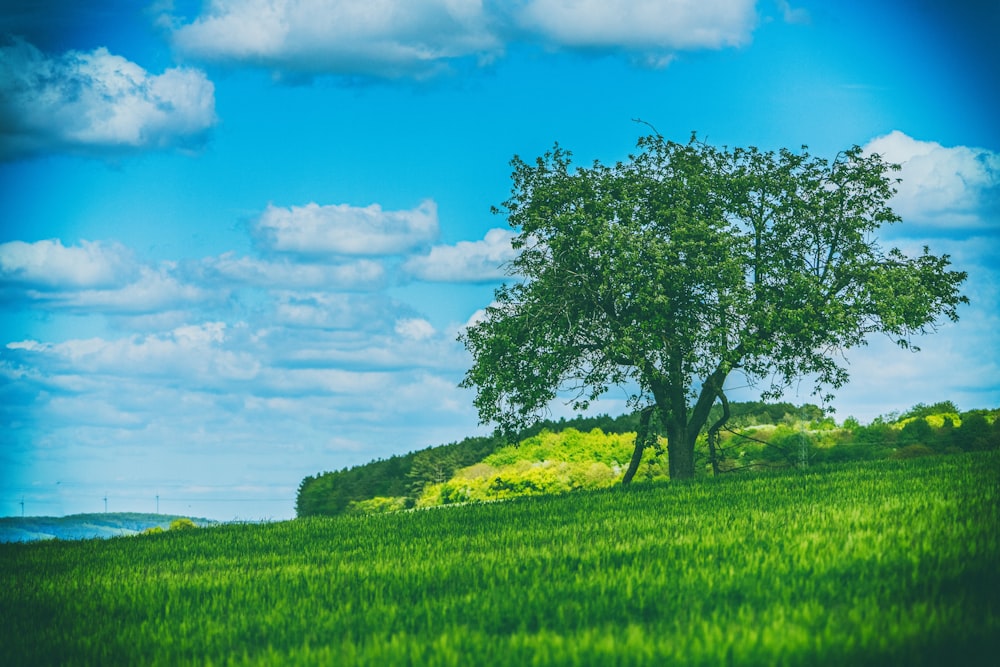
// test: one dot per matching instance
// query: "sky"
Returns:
(238, 238)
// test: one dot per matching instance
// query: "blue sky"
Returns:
(238, 239)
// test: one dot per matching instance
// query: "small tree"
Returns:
(182, 524)
(687, 263)
(916, 432)
(430, 467)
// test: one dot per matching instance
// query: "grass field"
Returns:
(890, 562)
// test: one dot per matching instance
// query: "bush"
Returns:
(182, 524)
(379, 504)
(912, 452)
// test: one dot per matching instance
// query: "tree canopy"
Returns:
(669, 272)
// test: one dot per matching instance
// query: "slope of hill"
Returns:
(866, 564)
(591, 453)
(84, 526)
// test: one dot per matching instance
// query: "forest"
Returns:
(591, 453)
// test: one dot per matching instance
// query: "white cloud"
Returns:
(93, 276)
(286, 274)
(793, 14)
(190, 352)
(949, 187)
(405, 38)
(49, 264)
(346, 230)
(641, 24)
(363, 334)
(414, 328)
(154, 290)
(95, 102)
(332, 311)
(466, 261)
(383, 38)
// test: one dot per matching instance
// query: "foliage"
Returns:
(751, 413)
(544, 464)
(687, 263)
(882, 563)
(547, 459)
(332, 493)
(182, 524)
(912, 452)
(806, 443)
(379, 504)
(924, 410)
(976, 433)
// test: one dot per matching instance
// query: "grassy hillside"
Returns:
(396, 482)
(592, 453)
(883, 563)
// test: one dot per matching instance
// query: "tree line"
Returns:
(758, 436)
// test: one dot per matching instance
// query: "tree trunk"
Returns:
(682, 428)
(642, 441)
(713, 433)
(680, 456)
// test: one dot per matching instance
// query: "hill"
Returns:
(402, 478)
(889, 562)
(84, 526)
(591, 453)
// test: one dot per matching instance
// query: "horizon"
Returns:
(237, 519)
(236, 247)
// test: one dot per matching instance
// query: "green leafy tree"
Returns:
(916, 432)
(686, 263)
(923, 410)
(430, 467)
(975, 432)
(182, 524)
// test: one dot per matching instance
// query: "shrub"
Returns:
(182, 524)
(378, 505)
(912, 452)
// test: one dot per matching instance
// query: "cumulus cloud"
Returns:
(49, 264)
(383, 38)
(951, 187)
(155, 289)
(286, 274)
(410, 342)
(415, 328)
(640, 24)
(466, 261)
(346, 230)
(332, 311)
(95, 102)
(191, 352)
(93, 276)
(401, 38)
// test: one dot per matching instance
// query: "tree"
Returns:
(430, 467)
(974, 434)
(916, 432)
(182, 524)
(668, 272)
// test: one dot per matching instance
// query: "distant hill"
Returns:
(84, 526)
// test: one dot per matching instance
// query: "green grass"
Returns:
(890, 562)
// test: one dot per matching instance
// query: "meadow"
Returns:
(875, 563)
